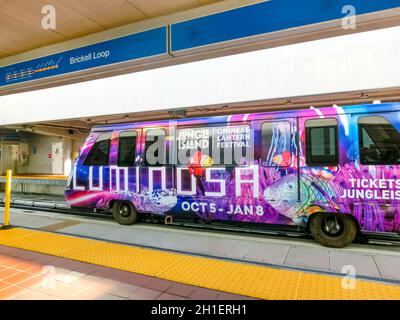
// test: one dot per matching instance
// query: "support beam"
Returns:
(47, 131)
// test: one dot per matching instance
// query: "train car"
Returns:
(333, 171)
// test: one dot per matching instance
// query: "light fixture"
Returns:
(178, 113)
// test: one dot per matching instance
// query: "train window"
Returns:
(222, 145)
(276, 144)
(155, 150)
(322, 142)
(127, 148)
(379, 141)
(99, 153)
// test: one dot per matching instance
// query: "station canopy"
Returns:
(94, 39)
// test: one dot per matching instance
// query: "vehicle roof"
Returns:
(285, 114)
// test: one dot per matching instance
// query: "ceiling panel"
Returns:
(11, 44)
(3, 54)
(70, 23)
(204, 2)
(18, 34)
(155, 8)
(26, 22)
(107, 13)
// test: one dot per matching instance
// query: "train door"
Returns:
(276, 153)
(216, 178)
(124, 161)
(243, 171)
(374, 189)
(320, 191)
(156, 189)
(123, 176)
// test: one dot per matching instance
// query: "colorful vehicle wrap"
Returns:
(272, 179)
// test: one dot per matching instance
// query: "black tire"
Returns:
(125, 213)
(333, 230)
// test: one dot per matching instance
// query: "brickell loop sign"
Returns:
(132, 47)
(227, 29)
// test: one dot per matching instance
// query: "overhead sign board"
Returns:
(264, 18)
(132, 47)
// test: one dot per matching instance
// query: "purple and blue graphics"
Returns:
(271, 168)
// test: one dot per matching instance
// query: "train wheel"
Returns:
(333, 230)
(125, 213)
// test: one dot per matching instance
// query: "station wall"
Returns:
(29, 154)
(39, 154)
(42, 157)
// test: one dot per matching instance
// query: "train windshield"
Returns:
(379, 141)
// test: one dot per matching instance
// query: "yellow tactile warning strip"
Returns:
(14, 234)
(139, 260)
(240, 278)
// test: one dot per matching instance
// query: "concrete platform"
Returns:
(371, 262)
(37, 200)
(243, 279)
(38, 184)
